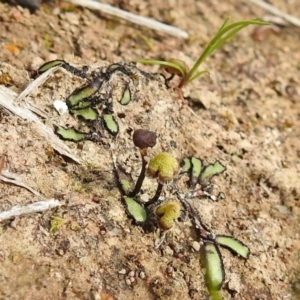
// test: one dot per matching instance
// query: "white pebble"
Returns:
(122, 272)
(60, 106)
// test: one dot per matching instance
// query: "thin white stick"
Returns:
(28, 209)
(35, 84)
(14, 180)
(7, 97)
(277, 12)
(142, 21)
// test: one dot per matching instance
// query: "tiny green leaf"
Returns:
(50, 64)
(82, 104)
(113, 67)
(110, 124)
(214, 270)
(126, 185)
(212, 170)
(168, 64)
(196, 170)
(124, 179)
(135, 210)
(126, 97)
(233, 245)
(186, 165)
(221, 196)
(88, 113)
(56, 224)
(83, 93)
(69, 134)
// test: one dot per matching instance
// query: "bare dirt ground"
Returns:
(251, 123)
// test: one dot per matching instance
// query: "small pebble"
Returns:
(131, 273)
(142, 275)
(60, 106)
(122, 272)
(128, 281)
(169, 251)
(195, 245)
(96, 296)
(169, 270)
(60, 252)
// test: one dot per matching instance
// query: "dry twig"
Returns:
(7, 101)
(28, 209)
(142, 21)
(277, 12)
(9, 177)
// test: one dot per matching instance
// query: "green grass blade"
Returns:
(223, 40)
(198, 74)
(162, 63)
(224, 24)
(218, 40)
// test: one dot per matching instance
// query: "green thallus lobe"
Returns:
(124, 179)
(56, 223)
(135, 210)
(126, 186)
(88, 113)
(186, 165)
(233, 245)
(199, 172)
(110, 124)
(212, 170)
(196, 168)
(83, 93)
(70, 134)
(50, 64)
(126, 97)
(214, 270)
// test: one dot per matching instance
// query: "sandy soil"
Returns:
(251, 123)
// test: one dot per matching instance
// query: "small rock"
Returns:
(131, 273)
(196, 246)
(60, 106)
(122, 272)
(142, 275)
(36, 63)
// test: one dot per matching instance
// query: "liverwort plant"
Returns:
(178, 67)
